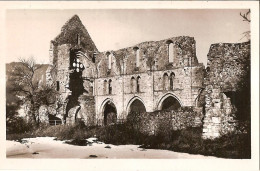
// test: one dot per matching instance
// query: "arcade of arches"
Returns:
(137, 106)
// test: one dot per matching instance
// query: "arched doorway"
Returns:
(110, 113)
(170, 103)
(137, 106)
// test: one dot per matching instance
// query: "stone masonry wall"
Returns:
(228, 67)
(187, 81)
(153, 56)
(73, 36)
(163, 122)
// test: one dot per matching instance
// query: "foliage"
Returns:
(188, 140)
(25, 84)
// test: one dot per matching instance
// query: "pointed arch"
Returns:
(110, 86)
(138, 84)
(136, 100)
(168, 96)
(109, 112)
(165, 81)
(105, 87)
(133, 85)
(170, 50)
(172, 76)
(109, 61)
(137, 56)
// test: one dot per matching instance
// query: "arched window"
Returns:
(170, 51)
(137, 56)
(165, 81)
(171, 80)
(132, 85)
(110, 87)
(105, 87)
(109, 56)
(138, 84)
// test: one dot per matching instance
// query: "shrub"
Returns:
(188, 140)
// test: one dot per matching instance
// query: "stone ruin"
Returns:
(102, 88)
(227, 87)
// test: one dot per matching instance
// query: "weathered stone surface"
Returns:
(72, 115)
(161, 122)
(43, 114)
(87, 110)
(228, 67)
(184, 79)
(145, 73)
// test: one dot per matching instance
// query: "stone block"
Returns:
(216, 120)
(218, 105)
(205, 130)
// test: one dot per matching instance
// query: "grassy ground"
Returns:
(187, 140)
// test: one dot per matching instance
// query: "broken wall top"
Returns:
(69, 35)
(228, 66)
(152, 54)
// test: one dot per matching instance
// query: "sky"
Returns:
(29, 32)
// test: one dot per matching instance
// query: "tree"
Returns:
(28, 88)
(246, 17)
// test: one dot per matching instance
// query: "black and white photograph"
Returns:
(123, 82)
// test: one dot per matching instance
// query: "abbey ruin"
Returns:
(102, 88)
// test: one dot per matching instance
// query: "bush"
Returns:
(188, 140)
(18, 125)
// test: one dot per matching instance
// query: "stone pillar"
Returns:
(212, 120)
(219, 117)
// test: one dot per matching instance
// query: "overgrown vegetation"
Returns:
(187, 140)
(24, 86)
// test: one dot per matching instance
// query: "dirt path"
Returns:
(47, 147)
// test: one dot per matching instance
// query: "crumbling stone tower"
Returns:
(227, 88)
(72, 70)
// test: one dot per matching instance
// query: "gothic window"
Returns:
(105, 87)
(137, 56)
(132, 85)
(109, 56)
(170, 51)
(58, 86)
(171, 80)
(165, 81)
(138, 84)
(110, 87)
(77, 66)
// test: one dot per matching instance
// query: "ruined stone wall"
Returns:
(228, 74)
(87, 110)
(186, 85)
(122, 96)
(154, 63)
(163, 122)
(73, 37)
(153, 55)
